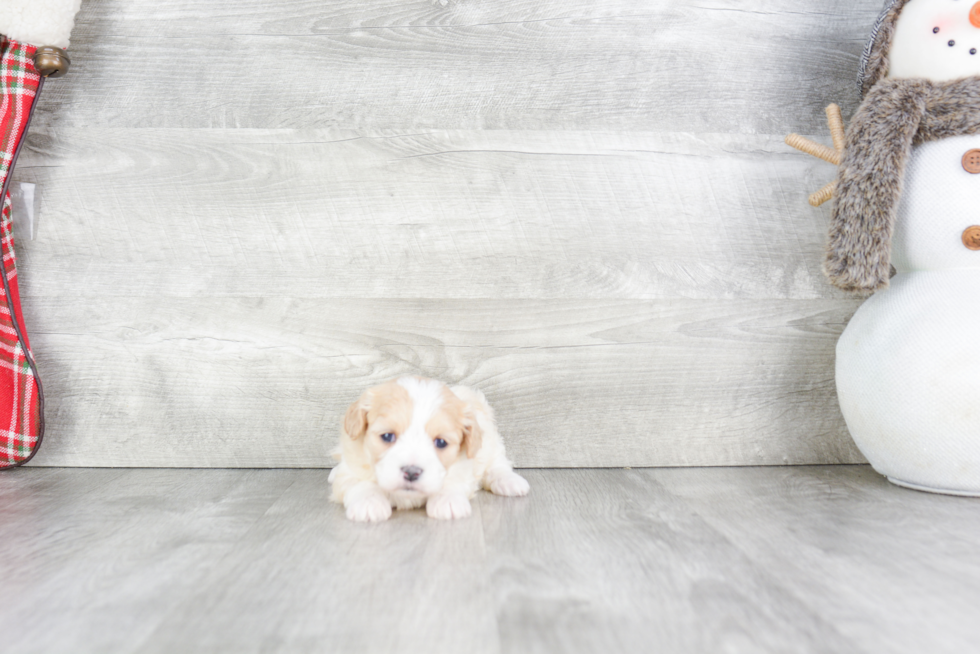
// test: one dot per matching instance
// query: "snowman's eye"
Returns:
(973, 51)
(952, 43)
(935, 30)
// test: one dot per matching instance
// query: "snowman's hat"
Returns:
(874, 61)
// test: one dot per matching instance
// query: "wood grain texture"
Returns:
(611, 560)
(251, 211)
(119, 549)
(304, 579)
(264, 382)
(436, 215)
(795, 559)
(742, 66)
(845, 540)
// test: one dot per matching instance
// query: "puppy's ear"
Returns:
(472, 435)
(355, 420)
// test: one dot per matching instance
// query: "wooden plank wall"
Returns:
(253, 210)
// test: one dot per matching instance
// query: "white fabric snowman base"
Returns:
(908, 364)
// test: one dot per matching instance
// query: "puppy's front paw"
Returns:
(373, 508)
(448, 507)
(510, 485)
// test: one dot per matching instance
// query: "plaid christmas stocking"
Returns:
(21, 400)
(32, 35)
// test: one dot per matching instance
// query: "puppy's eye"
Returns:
(440, 443)
(388, 438)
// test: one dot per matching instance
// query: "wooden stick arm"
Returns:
(823, 195)
(831, 155)
(836, 123)
(813, 148)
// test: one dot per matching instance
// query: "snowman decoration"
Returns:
(907, 196)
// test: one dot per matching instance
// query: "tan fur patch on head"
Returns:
(458, 419)
(355, 420)
(445, 424)
(390, 402)
(473, 435)
(380, 409)
(388, 410)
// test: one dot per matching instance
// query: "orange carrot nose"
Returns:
(975, 15)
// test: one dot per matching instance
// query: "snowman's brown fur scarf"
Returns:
(895, 115)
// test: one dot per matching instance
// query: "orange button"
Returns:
(971, 162)
(971, 238)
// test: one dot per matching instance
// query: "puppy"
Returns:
(414, 442)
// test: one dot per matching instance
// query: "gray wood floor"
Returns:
(794, 559)
(251, 211)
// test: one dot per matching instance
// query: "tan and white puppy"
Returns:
(414, 442)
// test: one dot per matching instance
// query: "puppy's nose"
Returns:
(412, 472)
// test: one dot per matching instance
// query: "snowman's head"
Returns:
(938, 40)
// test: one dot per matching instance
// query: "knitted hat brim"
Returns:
(874, 60)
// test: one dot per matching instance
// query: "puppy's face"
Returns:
(413, 430)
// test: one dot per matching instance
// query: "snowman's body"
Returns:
(908, 364)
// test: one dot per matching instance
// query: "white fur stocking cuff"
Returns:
(38, 22)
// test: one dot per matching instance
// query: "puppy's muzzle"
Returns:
(411, 473)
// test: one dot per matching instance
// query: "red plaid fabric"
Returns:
(20, 409)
